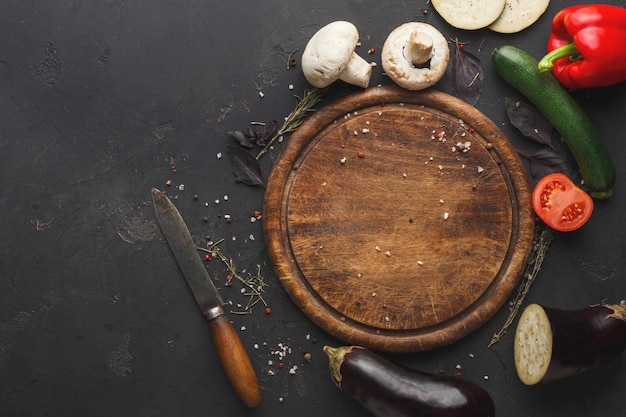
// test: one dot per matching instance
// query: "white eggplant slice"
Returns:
(532, 347)
(518, 15)
(469, 15)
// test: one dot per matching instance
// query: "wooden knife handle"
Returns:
(235, 361)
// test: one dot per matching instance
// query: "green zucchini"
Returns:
(519, 69)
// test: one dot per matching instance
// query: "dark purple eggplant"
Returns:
(390, 390)
(552, 344)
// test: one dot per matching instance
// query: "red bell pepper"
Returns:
(586, 47)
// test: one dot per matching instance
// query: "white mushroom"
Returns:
(329, 55)
(415, 55)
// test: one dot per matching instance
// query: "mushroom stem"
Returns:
(418, 49)
(358, 71)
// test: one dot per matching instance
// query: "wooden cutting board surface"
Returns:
(397, 220)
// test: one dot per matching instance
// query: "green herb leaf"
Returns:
(296, 117)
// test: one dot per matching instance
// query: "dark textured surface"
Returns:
(99, 100)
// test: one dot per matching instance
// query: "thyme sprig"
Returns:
(541, 244)
(296, 117)
(255, 283)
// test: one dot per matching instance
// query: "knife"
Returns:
(230, 350)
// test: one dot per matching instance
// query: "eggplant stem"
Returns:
(619, 311)
(335, 359)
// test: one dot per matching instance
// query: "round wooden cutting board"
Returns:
(398, 220)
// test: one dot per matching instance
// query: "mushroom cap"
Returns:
(328, 52)
(400, 68)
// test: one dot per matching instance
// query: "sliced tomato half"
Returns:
(560, 203)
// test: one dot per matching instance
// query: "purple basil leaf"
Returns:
(261, 135)
(243, 138)
(245, 166)
(465, 73)
(546, 161)
(266, 132)
(530, 121)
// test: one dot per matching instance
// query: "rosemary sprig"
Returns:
(541, 244)
(296, 117)
(255, 283)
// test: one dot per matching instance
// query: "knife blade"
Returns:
(230, 350)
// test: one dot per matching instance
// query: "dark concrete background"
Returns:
(101, 99)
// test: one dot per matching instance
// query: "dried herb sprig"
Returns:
(296, 117)
(541, 244)
(256, 283)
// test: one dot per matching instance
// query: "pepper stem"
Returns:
(547, 62)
